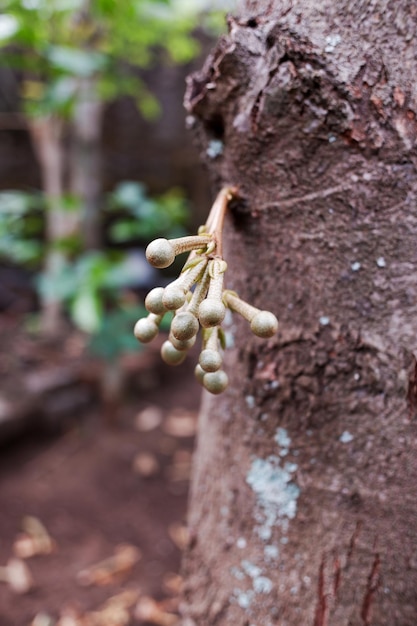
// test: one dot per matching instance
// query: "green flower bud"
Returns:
(173, 298)
(153, 301)
(145, 329)
(160, 253)
(215, 382)
(199, 374)
(264, 324)
(210, 360)
(171, 355)
(184, 326)
(211, 313)
(182, 345)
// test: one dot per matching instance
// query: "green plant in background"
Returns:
(90, 284)
(71, 57)
(21, 227)
(145, 217)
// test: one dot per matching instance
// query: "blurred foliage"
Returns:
(57, 49)
(56, 43)
(88, 282)
(21, 227)
(146, 217)
(114, 335)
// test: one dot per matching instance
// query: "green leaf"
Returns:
(60, 286)
(148, 105)
(87, 311)
(129, 194)
(76, 62)
(18, 202)
(9, 26)
(61, 93)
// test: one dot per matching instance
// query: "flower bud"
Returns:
(173, 298)
(160, 253)
(215, 382)
(264, 324)
(199, 374)
(211, 313)
(171, 355)
(182, 345)
(210, 360)
(145, 329)
(184, 326)
(153, 301)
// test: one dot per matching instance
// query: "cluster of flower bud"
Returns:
(197, 298)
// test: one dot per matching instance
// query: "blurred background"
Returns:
(96, 433)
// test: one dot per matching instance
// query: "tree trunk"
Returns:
(85, 164)
(46, 133)
(304, 501)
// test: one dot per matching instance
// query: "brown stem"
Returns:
(192, 242)
(240, 306)
(217, 269)
(199, 293)
(215, 219)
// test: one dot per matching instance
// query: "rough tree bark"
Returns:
(303, 507)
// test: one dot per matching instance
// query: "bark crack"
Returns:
(371, 587)
(294, 201)
(321, 614)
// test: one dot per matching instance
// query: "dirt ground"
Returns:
(94, 488)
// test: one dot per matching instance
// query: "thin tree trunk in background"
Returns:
(85, 164)
(46, 133)
(304, 499)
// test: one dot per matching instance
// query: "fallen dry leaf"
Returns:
(107, 616)
(42, 619)
(149, 419)
(180, 423)
(172, 583)
(181, 466)
(167, 445)
(105, 572)
(145, 464)
(114, 612)
(170, 605)
(34, 540)
(70, 616)
(17, 575)
(148, 610)
(179, 534)
(68, 620)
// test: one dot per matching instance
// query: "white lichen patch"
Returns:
(241, 543)
(244, 598)
(276, 494)
(283, 440)
(237, 573)
(250, 569)
(346, 437)
(332, 41)
(262, 584)
(271, 553)
(250, 402)
(215, 148)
